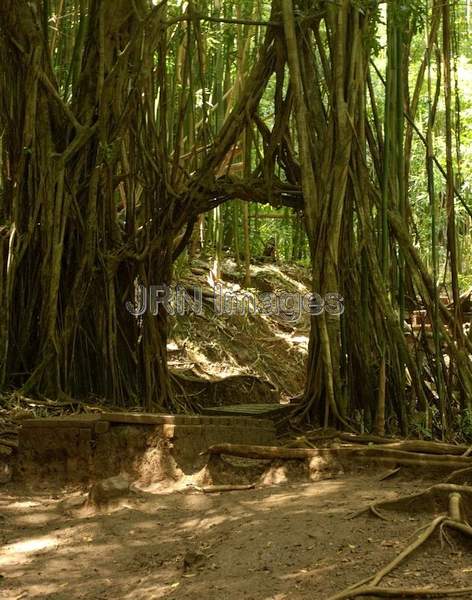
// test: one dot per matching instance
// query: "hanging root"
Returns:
(453, 520)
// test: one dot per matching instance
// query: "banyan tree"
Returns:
(118, 119)
(104, 172)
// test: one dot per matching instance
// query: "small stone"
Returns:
(192, 559)
(5, 473)
(72, 503)
(113, 488)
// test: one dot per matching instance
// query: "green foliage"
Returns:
(420, 428)
(465, 424)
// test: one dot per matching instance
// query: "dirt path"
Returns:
(285, 542)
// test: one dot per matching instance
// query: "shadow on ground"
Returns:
(277, 543)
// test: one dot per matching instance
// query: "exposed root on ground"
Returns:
(462, 476)
(454, 519)
(434, 499)
(451, 499)
(216, 489)
(374, 453)
(404, 593)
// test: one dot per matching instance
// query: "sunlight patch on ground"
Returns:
(314, 572)
(40, 518)
(154, 591)
(307, 491)
(24, 504)
(300, 340)
(19, 551)
(203, 524)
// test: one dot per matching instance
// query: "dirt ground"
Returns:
(291, 541)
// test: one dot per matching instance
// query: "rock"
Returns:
(72, 503)
(192, 559)
(5, 473)
(107, 490)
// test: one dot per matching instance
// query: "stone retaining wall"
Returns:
(77, 450)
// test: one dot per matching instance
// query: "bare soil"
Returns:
(279, 542)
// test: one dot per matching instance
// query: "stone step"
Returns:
(262, 412)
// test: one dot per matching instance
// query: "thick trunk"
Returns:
(325, 158)
(90, 200)
(69, 265)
